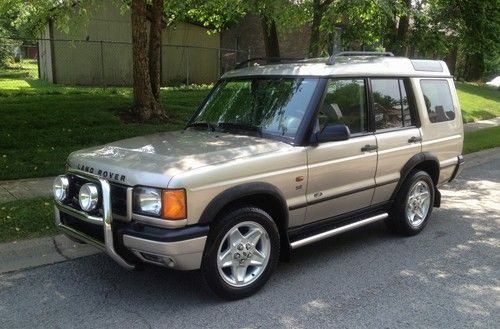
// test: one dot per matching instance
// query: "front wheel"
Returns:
(242, 252)
(413, 205)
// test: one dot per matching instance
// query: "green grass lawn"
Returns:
(481, 139)
(42, 123)
(478, 102)
(26, 219)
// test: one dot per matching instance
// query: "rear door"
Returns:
(442, 129)
(341, 173)
(396, 131)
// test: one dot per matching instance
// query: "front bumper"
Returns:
(130, 242)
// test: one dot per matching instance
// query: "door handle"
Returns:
(368, 148)
(414, 139)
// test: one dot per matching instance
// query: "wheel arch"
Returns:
(259, 194)
(424, 161)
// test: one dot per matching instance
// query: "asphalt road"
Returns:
(448, 276)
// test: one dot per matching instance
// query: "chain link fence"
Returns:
(109, 63)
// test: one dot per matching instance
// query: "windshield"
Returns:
(257, 106)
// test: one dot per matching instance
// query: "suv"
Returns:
(276, 157)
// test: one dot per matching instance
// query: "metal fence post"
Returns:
(102, 68)
(187, 67)
(218, 63)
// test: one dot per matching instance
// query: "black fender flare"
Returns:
(413, 162)
(242, 191)
(246, 190)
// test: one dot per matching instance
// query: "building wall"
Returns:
(247, 35)
(105, 57)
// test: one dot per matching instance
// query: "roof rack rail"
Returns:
(269, 60)
(331, 60)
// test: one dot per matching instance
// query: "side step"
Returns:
(337, 231)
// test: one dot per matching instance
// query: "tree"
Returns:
(146, 64)
(319, 8)
(472, 32)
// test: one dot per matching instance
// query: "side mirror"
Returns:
(332, 133)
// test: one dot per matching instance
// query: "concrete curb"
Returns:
(480, 157)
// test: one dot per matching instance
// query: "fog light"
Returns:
(88, 197)
(60, 188)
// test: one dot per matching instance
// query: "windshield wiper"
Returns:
(207, 125)
(240, 127)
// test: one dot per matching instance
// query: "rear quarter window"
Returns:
(438, 100)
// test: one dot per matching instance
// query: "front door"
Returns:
(342, 173)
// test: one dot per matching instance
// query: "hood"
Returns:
(153, 160)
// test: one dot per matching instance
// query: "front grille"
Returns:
(118, 196)
(93, 230)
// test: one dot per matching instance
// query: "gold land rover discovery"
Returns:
(276, 157)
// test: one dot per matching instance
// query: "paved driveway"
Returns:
(448, 276)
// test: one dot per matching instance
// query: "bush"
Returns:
(7, 48)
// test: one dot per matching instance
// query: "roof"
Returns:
(349, 66)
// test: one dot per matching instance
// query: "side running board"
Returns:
(336, 231)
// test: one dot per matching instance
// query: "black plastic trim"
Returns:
(341, 195)
(411, 164)
(159, 234)
(241, 191)
(305, 130)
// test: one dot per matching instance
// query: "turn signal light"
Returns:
(174, 204)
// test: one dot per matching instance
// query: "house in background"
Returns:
(104, 57)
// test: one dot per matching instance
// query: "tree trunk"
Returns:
(451, 58)
(271, 42)
(146, 106)
(474, 67)
(401, 41)
(315, 33)
(155, 47)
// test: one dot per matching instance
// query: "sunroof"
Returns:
(426, 65)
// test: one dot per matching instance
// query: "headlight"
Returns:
(168, 204)
(88, 197)
(147, 201)
(60, 188)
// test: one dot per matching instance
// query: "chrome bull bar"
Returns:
(106, 220)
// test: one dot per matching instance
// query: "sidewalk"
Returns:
(25, 254)
(12, 190)
(482, 124)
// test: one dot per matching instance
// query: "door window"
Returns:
(390, 102)
(438, 101)
(344, 104)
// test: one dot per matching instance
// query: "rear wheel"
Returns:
(413, 204)
(242, 252)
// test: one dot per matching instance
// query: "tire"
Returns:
(236, 245)
(413, 205)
